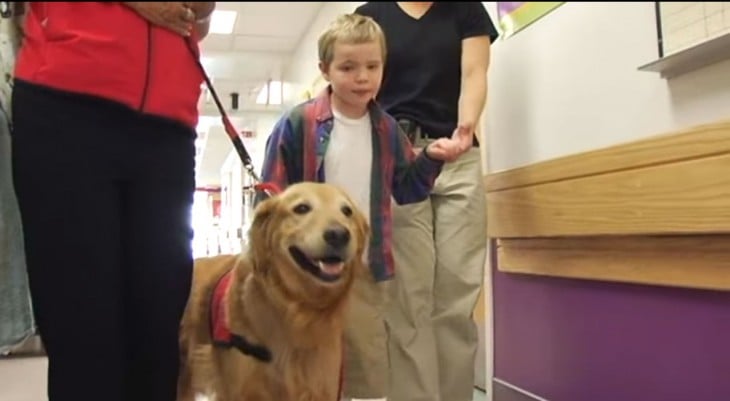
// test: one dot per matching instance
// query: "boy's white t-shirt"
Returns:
(349, 159)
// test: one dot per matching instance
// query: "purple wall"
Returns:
(576, 340)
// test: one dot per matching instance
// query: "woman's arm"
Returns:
(474, 65)
(175, 16)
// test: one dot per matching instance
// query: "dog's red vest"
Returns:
(220, 331)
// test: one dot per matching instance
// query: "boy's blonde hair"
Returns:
(350, 29)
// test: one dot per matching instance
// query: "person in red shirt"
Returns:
(104, 110)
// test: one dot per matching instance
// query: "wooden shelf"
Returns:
(703, 54)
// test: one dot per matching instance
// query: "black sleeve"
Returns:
(475, 21)
(366, 9)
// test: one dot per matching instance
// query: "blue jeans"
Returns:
(16, 314)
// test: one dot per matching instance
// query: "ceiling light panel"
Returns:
(222, 22)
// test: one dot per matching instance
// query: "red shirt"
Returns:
(110, 51)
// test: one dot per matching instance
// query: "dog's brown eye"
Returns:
(347, 211)
(302, 208)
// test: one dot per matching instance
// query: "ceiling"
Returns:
(264, 37)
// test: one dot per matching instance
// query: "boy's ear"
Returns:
(324, 69)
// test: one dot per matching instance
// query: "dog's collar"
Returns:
(221, 333)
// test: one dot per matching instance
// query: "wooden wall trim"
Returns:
(690, 196)
(655, 211)
(690, 143)
(701, 262)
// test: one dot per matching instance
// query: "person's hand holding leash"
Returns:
(449, 149)
(176, 16)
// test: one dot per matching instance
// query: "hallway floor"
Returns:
(24, 379)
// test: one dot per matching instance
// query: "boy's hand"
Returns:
(449, 149)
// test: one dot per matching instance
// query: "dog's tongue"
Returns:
(331, 268)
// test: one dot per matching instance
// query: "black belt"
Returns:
(411, 129)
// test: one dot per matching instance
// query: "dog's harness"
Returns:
(221, 332)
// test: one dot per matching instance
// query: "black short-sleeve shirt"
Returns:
(422, 76)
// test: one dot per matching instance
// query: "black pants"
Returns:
(105, 196)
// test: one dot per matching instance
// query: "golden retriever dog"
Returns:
(267, 325)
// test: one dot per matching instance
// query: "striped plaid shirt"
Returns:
(295, 152)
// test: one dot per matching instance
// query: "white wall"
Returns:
(569, 83)
(303, 69)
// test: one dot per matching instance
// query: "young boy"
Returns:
(344, 138)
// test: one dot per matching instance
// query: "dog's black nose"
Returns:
(337, 237)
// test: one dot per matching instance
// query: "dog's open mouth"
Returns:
(327, 268)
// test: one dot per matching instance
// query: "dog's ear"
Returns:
(363, 237)
(363, 228)
(264, 209)
(260, 230)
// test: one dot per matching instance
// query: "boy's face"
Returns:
(355, 74)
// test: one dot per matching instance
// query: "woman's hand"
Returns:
(202, 9)
(203, 13)
(176, 16)
(449, 149)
